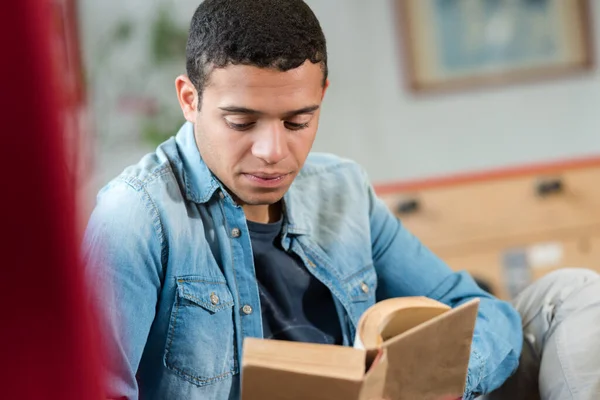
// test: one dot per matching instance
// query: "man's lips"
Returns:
(271, 180)
(267, 176)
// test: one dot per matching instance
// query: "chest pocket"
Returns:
(201, 344)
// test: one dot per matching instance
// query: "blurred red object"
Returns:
(48, 329)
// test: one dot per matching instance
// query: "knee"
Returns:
(568, 277)
(555, 287)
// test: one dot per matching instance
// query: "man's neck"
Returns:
(263, 214)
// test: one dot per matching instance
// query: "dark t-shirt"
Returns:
(295, 305)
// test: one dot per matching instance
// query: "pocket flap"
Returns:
(209, 294)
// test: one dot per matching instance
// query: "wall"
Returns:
(368, 116)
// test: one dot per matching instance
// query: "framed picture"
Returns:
(452, 44)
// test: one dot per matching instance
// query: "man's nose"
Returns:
(271, 144)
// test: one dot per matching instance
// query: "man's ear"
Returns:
(188, 97)
(325, 87)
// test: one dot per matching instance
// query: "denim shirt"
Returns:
(171, 252)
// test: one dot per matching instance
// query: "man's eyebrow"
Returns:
(249, 111)
(305, 110)
(240, 110)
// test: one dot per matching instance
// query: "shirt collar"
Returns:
(200, 183)
(298, 222)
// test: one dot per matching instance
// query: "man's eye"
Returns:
(293, 126)
(240, 127)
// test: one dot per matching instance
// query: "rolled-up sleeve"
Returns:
(407, 268)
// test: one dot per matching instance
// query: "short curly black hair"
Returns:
(280, 34)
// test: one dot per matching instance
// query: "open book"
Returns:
(405, 349)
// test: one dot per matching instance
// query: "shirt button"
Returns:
(364, 287)
(214, 299)
(311, 264)
(221, 195)
(236, 233)
(247, 309)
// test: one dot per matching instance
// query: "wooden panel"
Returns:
(480, 212)
(489, 266)
(548, 168)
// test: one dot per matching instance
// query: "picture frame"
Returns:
(457, 44)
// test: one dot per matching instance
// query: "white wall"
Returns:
(368, 116)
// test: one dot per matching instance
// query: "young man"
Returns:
(231, 229)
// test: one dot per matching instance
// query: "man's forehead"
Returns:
(307, 75)
(264, 90)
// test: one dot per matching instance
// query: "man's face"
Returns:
(256, 127)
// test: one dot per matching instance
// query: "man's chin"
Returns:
(260, 199)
